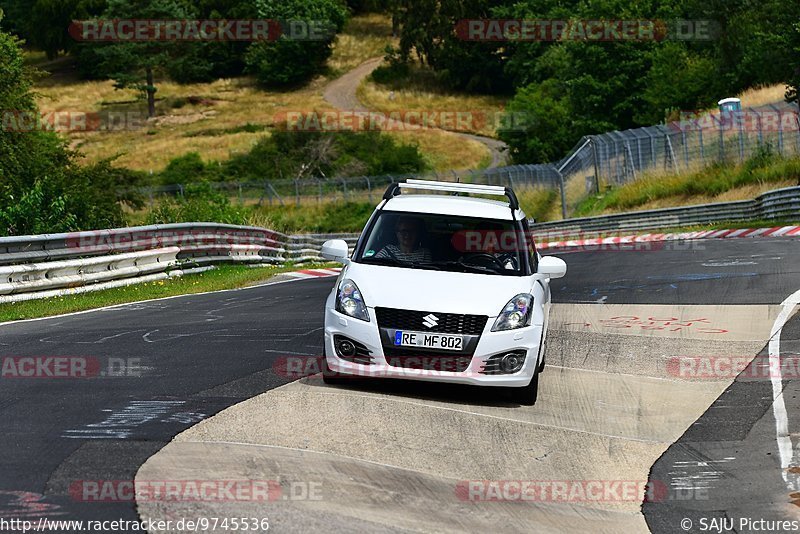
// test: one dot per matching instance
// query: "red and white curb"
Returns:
(315, 273)
(704, 234)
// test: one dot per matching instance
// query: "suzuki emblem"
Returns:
(430, 320)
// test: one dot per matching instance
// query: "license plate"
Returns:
(428, 341)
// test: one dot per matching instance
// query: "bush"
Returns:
(396, 69)
(42, 188)
(184, 169)
(284, 155)
(199, 203)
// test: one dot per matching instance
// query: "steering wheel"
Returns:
(482, 256)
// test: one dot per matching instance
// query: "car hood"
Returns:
(435, 291)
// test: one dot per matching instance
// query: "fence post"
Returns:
(593, 141)
(741, 137)
(563, 193)
(669, 152)
(652, 152)
(271, 188)
(685, 148)
(702, 146)
(760, 132)
(629, 158)
(639, 152)
(296, 192)
(369, 188)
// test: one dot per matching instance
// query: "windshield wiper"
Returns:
(387, 261)
(401, 263)
(476, 268)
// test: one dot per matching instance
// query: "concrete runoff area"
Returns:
(392, 456)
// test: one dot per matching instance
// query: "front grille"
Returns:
(428, 360)
(448, 323)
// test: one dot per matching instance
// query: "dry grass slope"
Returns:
(213, 125)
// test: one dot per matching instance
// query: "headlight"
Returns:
(516, 314)
(349, 301)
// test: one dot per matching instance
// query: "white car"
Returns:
(441, 287)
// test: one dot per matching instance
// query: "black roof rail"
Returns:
(391, 191)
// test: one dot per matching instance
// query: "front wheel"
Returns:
(526, 395)
(328, 376)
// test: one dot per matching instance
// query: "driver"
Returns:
(409, 248)
(492, 246)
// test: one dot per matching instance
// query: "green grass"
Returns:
(711, 181)
(224, 277)
(351, 216)
(537, 203)
(326, 217)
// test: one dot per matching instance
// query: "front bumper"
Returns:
(489, 344)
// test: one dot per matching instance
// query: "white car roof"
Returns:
(452, 205)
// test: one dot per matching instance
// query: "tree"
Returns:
(210, 60)
(136, 64)
(288, 61)
(42, 188)
(793, 83)
(541, 125)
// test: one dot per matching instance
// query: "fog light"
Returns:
(346, 348)
(511, 362)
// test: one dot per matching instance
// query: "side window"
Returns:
(534, 257)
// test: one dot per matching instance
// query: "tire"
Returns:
(542, 353)
(526, 396)
(328, 376)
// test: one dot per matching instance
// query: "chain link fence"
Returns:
(596, 163)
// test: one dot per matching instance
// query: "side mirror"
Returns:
(552, 267)
(335, 250)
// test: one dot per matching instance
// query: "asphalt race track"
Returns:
(204, 394)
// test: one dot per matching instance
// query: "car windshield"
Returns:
(445, 242)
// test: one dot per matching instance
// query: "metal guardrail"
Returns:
(780, 204)
(56, 264)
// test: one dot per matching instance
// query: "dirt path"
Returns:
(341, 93)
